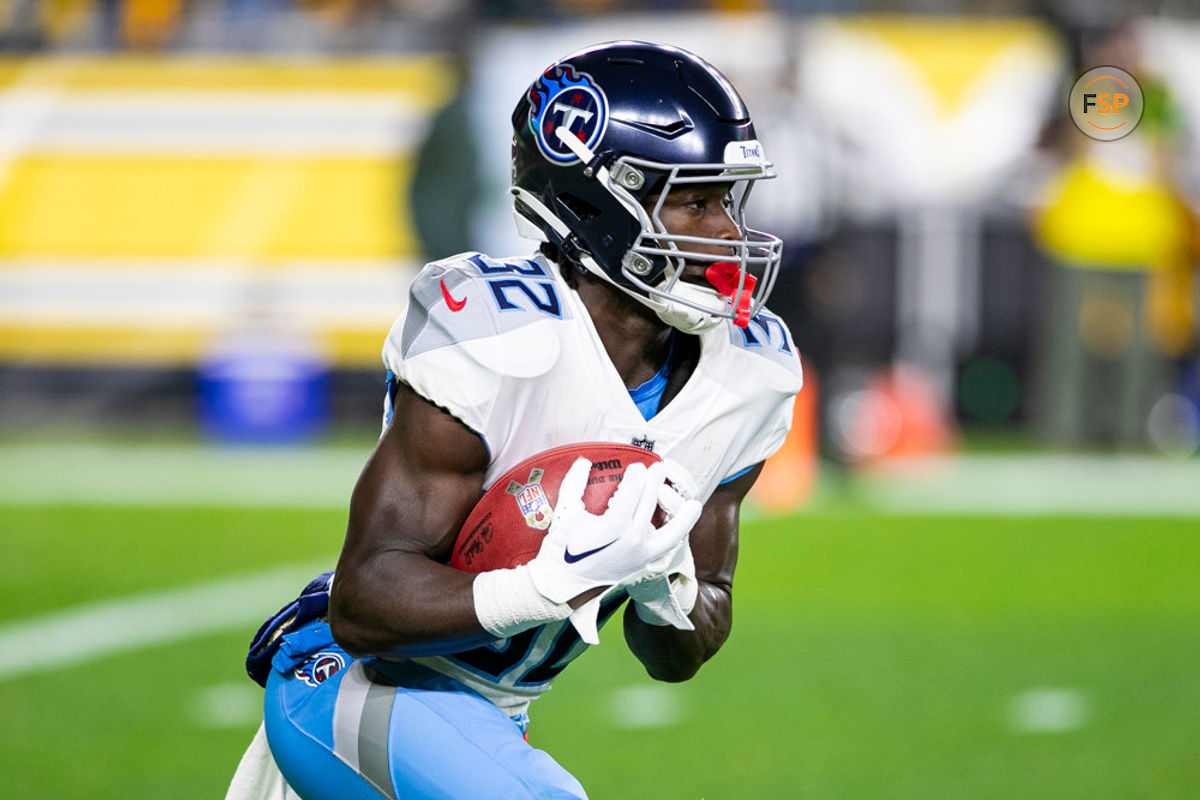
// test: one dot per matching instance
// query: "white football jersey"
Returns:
(509, 349)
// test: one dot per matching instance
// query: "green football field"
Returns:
(873, 656)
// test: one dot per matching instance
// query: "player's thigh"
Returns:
(428, 740)
(445, 742)
(298, 717)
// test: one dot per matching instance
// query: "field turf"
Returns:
(872, 656)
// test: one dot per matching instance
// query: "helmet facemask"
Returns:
(738, 280)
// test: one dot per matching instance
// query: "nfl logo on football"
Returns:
(532, 501)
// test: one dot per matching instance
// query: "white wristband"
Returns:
(507, 602)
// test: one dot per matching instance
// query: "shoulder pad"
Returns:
(480, 305)
(472, 296)
(767, 335)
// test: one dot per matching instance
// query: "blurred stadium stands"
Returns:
(183, 181)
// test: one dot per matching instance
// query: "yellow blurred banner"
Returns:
(424, 80)
(175, 189)
(132, 345)
(258, 208)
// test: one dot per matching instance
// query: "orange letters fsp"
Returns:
(1105, 103)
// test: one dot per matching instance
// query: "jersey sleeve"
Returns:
(458, 348)
(769, 354)
(769, 437)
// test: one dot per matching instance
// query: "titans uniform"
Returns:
(508, 348)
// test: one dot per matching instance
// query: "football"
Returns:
(507, 525)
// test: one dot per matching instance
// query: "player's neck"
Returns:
(637, 341)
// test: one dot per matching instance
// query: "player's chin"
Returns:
(700, 265)
(695, 272)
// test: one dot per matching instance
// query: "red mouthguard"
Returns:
(723, 275)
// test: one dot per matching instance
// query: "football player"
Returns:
(639, 320)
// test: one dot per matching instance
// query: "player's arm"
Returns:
(392, 588)
(670, 654)
(393, 591)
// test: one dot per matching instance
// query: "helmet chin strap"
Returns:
(680, 316)
(683, 317)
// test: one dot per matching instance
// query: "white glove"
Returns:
(667, 593)
(584, 551)
(668, 598)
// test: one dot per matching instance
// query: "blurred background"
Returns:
(971, 572)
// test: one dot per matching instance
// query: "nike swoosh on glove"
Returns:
(584, 551)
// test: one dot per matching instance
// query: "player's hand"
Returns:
(667, 597)
(666, 592)
(663, 590)
(584, 551)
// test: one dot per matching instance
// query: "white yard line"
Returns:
(646, 706)
(85, 633)
(1047, 710)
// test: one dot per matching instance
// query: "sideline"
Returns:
(323, 477)
(1041, 483)
(73, 636)
(180, 474)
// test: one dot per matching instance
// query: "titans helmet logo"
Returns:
(320, 667)
(562, 98)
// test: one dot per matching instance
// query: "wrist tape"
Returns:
(507, 602)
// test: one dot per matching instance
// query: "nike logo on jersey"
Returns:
(451, 303)
(571, 558)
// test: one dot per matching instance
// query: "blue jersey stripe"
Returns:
(389, 400)
(738, 474)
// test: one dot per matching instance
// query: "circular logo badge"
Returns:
(564, 99)
(1106, 103)
(320, 667)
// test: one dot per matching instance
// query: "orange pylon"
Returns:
(788, 477)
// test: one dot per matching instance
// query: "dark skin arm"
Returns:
(673, 655)
(391, 587)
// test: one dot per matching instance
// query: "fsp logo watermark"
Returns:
(1106, 103)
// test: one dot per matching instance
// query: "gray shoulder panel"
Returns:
(472, 296)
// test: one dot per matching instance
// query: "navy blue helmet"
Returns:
(601, 138)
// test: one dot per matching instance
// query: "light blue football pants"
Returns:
(341, 729)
